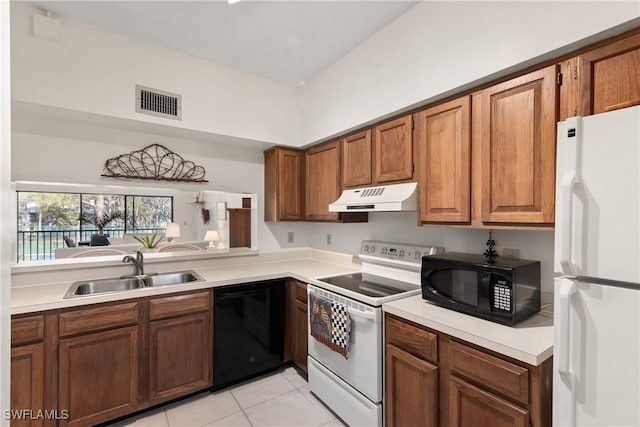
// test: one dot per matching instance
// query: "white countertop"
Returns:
(49, 296)
(530, 341)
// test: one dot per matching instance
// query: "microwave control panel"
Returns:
(502, 295)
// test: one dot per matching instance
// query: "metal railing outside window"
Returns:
(37, 239)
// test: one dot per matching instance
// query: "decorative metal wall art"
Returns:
(156, 163)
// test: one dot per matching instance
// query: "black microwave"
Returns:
(507, 291)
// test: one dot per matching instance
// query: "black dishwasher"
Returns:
(248, 330)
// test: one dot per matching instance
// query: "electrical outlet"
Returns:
(511, 253)
(290, 237)
(328, 239)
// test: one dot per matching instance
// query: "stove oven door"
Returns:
(363, 369)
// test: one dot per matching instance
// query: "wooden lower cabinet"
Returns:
(27, 370)
(27, 382)
(472, 406)
(97, 363)
(302, 334)
(297, 329)
(180, 356)
(408, 376)
(433, 379)
(98, 376)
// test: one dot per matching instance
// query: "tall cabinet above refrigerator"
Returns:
(597, 265)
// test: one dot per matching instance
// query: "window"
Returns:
(45, 220)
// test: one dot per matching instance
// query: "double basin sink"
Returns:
(126, 283)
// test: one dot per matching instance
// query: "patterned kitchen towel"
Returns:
(330, 323)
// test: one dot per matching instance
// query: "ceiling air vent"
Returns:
(158, 103)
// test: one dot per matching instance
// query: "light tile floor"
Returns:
(279, 399)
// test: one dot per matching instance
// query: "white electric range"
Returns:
(352, 387)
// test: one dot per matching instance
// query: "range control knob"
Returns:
(372, 248)
(417, 254)
(366, 249)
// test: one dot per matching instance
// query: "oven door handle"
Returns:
(369, 315)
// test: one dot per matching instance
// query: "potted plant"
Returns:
(101, 221)
(149, 242)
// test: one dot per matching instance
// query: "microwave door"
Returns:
(454, 287)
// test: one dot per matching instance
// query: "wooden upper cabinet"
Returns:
(356, 159)
(443, 136)
(604, 79)
(323, 181)
(518, 149)
(393, 151)
(283, 185)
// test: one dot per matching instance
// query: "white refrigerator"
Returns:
(596, 360)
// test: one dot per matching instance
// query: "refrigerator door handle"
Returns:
(563, 350)
(570, 177)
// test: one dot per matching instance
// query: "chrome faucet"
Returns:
(138, 262)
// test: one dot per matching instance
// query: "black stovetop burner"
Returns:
(369, 284)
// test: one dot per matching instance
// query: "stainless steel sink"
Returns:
(120, 284)
(172, 278)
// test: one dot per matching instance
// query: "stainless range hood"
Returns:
(385, 198)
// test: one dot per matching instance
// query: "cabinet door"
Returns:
(356, 160)
(609, 77)
(518, 149)
(443, 136)
(472, 406)
(179, 356)
(323, 181)
(411, 390)
(301, 335)
(27, 382)
(393, 151)
(239, 228)
(282, 182)
(98, 376)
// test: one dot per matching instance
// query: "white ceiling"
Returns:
(286, 41)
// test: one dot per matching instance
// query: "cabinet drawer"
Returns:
(160, 308)
(416, 341)
(27, 329)
(491, 372)
(94, 319)
(301, 292)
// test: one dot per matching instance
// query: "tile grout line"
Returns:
(166, 417)
(272, 398)
(241, 408)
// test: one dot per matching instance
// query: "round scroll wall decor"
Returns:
(154, 162)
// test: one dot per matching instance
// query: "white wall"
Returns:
(6, 231)
(93, 70)
(432, 49)
(436, 47)
(401, 227)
